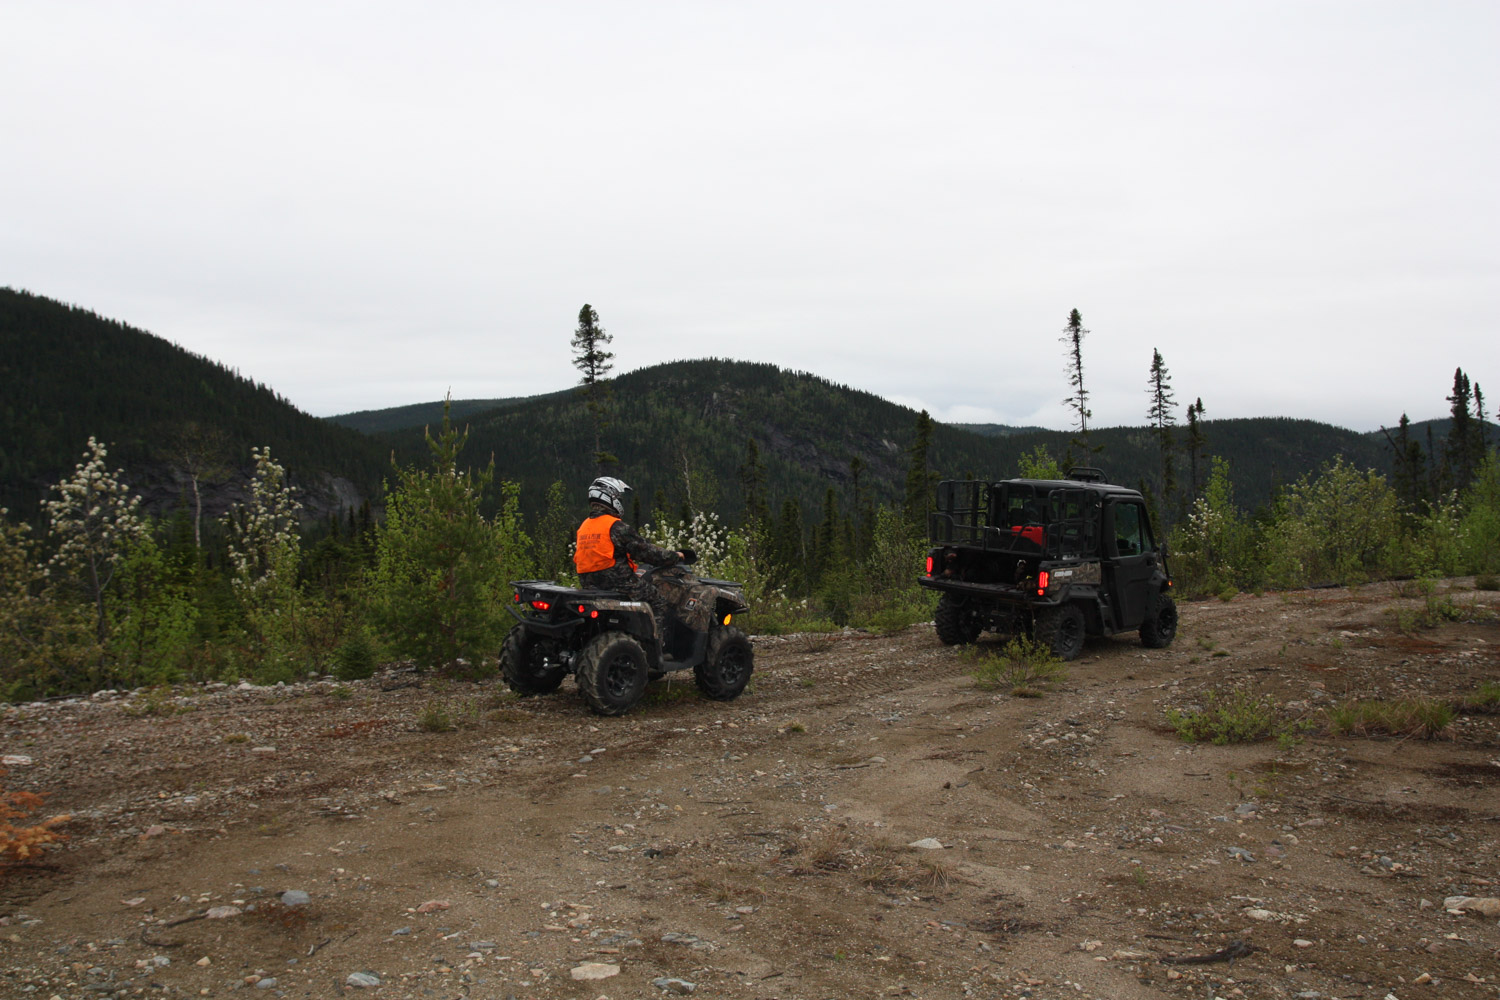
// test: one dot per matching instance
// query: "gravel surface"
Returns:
(865, 821)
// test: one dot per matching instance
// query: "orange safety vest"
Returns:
(595, 550)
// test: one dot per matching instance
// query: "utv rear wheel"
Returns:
(612, 673)
(1061, 630)
(957, 622)
(527, 665)
(1160, 626)
(727, 670)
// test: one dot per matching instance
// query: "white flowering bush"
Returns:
(92, 521)
(703, 534)
(264, 551)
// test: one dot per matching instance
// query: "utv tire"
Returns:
(525, 665)
(1160, 626)
(726, 671)
(1061, 630)
(957, 623)
(612, 673)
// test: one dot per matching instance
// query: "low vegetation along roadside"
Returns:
(1023, 667)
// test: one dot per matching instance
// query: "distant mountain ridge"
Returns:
(808, 431)
(67, 374)
(678, 427)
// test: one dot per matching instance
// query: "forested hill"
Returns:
(399, 418)
(67, 374)
(688, 422)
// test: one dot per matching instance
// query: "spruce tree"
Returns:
(1078, 399)
(590, 358)
(918, 479)
(1162, 421)
(1195, 445)
(1462, 439)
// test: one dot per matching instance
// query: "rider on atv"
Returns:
(607, 552)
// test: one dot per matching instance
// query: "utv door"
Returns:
(1133, 559)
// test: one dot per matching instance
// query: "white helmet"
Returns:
(610, 492)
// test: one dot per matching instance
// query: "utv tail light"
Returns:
(581, 610)
(1042, 579)
(929, 565)
(594, 614)
(516, 598)
(541, 605)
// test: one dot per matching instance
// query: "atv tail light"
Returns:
(581, 610)
(1042, 579)
(541, 605)
(594, 614)
(929, 565)
(728, 617)
(516, 598)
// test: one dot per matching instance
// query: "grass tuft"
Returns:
(1024, 667)
(1426, 717)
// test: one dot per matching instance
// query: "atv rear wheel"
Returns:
(526, 663)
(1061, 630)
(957, 622)
(726, 671)
(612, 673)
(1160, 626)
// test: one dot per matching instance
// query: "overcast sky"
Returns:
(369, 204)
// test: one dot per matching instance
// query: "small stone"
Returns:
(362, 980)
(222, 912)
(204, 962)
(1256, 913)
(1302, 943)
(268, 983)
(154, 831)
(295, 897)
(1090, 945)
(927, 844)
(679, 986)
(1488, 906)
(401, 932)
(1240, 854)
(15, 760)
(433, 905)
(594, 970)
(265, 751)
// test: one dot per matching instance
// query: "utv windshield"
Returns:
(1026, 518)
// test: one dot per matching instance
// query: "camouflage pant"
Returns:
(691, 602)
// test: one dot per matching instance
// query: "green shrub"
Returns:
(354, 658)
(1023, 666)
(1237, 717)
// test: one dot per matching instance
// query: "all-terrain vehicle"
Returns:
(1058, 560)
(614, 646)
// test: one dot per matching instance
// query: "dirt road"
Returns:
(759, 848)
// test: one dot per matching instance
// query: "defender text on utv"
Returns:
(1057, 559)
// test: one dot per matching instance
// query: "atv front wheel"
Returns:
(526, 665)
(726, 671)
(957, 623)
(1061, 630)
(612, 673)
(1160, 626)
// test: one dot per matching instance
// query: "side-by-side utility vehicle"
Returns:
(1058, 560)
